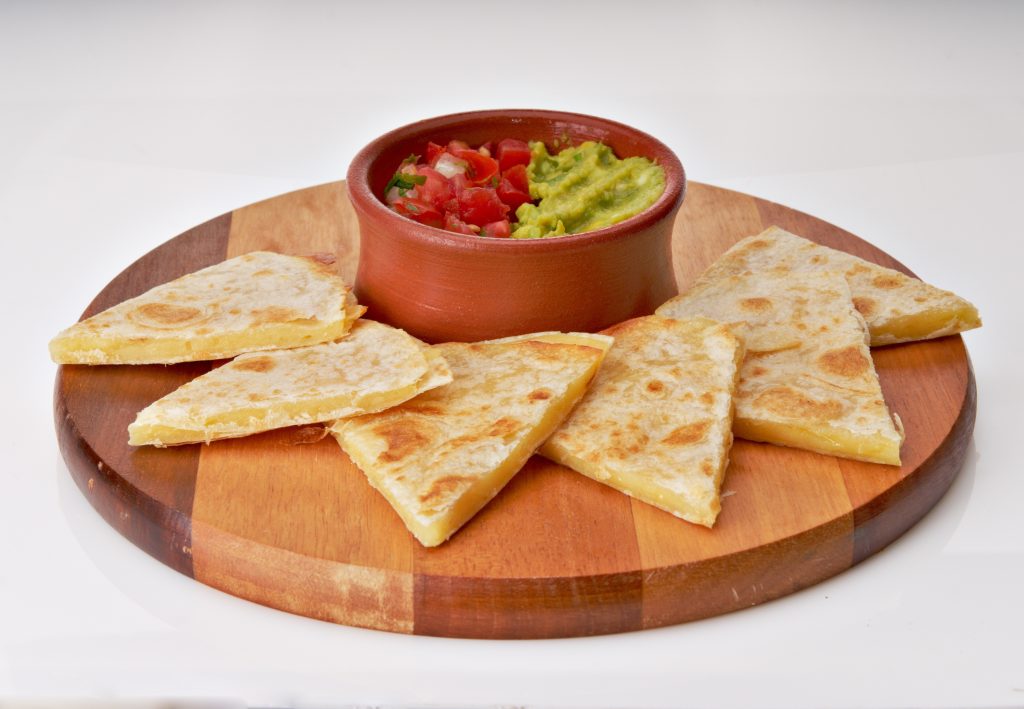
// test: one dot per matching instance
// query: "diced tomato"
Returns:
(512, 152)
(419, 211)
(514, 188)
(518, 177)
(462, 189)
(482, 169)
(453, 223)
(433, 152)
(500, 229)
(510, 195)
(457, 183)
(436, 190)
(480, 205)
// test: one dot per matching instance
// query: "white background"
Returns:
(123, 124)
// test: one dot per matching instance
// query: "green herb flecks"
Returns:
(404, 181)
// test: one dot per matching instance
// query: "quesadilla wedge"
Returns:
(439, 458)
(896, 307)
(808, 380)
(374, 367)
(257, 301)
(656, 423)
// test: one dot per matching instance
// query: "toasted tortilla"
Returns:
(439, 458)
(896, 307)
(374, 367)
(257, 301)
(656, 423)
(808, 380)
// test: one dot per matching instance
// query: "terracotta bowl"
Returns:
(441, 286)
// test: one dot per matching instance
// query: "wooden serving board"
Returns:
(286, 520)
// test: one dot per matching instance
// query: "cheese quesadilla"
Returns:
(896, 307)
(374, 367)
(657, 421)
(257, 301)
(439, 458)
(807, 380)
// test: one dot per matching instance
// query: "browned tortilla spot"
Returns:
(865, 306)
(442, 487)
(505, 426)
(756, 304)
(845, 362)
(402, 438)
(886, 282)
(792, 404)
(167, 313)
(689, 434)
(255, 364)
(631, 446)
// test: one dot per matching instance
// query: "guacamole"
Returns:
(584, 188)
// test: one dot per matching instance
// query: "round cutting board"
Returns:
(286, 520)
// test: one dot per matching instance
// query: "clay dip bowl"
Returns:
(441, 286)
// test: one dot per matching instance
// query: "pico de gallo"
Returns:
(517, 189)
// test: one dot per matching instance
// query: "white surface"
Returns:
(124, 124)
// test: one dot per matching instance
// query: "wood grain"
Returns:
(286, 520)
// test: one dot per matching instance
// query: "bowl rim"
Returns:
(357, 181)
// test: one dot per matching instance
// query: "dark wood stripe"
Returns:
(145, 494)
(161, 530)
(527, 607)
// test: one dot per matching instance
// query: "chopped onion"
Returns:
(449, 166)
